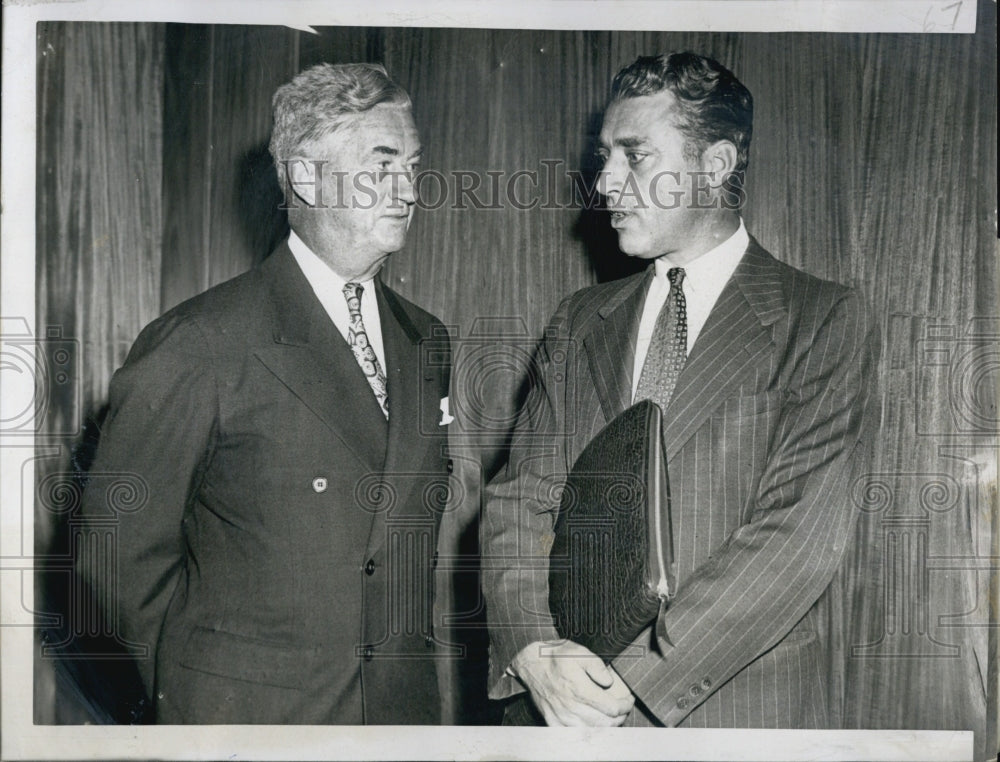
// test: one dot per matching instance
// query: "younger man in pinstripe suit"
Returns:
(766, 378)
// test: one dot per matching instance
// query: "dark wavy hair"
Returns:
(712, 104)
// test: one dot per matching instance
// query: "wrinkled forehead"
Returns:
(384, 117)
(384, 122)
(385, 128)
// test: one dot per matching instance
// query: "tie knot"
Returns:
(353, 290)
(676, 276)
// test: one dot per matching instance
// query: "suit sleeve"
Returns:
(158, 435)
(519, 515)
(768, 574)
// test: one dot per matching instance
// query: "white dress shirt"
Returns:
(704, 279)
(329, 289)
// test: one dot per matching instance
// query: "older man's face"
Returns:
(368, 192)
(647, 178)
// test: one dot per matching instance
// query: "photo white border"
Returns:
(23, 740)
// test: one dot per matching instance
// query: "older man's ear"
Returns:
(303, 179)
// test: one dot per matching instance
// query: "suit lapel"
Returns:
(610, 346)
(414, 396)
(310, 357)
(410, 394)
(735, 337)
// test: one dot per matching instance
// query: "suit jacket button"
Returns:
(434, 560)
(429, 642)
(682, 703)
(706, 683)
(695, 690)
(451, 465)
(368, 653)
(370, 567)
(319, 484)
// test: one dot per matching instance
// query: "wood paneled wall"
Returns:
(873, 163)
(99, 243)
(99, 168)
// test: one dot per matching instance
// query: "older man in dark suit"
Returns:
(765, 376)
(286, 427)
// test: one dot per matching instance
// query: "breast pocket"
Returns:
(749, 405)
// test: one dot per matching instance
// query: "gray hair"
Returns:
(318, 101)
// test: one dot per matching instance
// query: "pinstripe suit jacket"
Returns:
(763, 436)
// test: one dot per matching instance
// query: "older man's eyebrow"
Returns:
(629, 141)
(390, 151)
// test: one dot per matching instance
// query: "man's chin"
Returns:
(392, 243)
(634, 248)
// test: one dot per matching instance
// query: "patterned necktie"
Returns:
(668, 346)
(357, 337)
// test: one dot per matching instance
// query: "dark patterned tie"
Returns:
(357, 337)
(667, 347)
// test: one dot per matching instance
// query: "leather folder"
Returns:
(611, 567)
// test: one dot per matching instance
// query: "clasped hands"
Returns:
(571, 686)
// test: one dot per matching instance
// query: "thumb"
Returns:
(599, 673)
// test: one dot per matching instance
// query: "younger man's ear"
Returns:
(718, 160)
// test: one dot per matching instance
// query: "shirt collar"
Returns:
(318, 272)
(712, 268)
